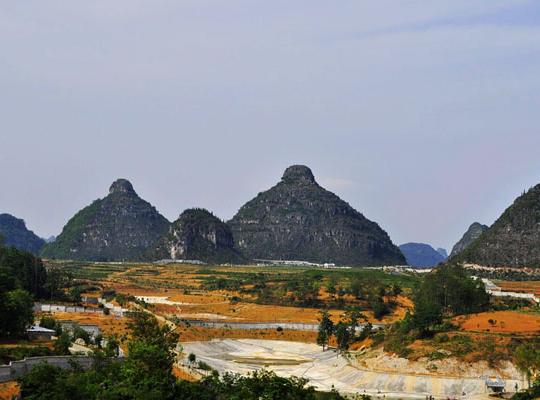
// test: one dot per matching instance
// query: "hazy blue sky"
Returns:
(422, 114)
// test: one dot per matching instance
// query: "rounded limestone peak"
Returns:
(121, 186)
(298, 174)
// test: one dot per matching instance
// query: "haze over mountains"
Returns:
(422, 255)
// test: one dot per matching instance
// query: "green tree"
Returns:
(147, 372)
(62, 344)
(112, 348)
(16, 312)
(343, 336)
(331, 286)
(427, 313)
(448, 290)
(396, 290)
(528, 360)
(326, 329)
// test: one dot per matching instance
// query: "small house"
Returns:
(495, 385)
(39, 333)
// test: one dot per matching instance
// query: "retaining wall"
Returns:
(16, 369)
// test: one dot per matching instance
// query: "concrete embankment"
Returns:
(327, 369)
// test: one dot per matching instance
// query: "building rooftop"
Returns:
(495, 382)
(37, 328)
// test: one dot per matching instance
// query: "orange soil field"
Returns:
(218, 302)
(527, 286)
(501, 322)
(250, 312)
(8, 390)
(107, 323)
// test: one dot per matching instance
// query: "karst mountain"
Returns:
(297, 219)
(513, 240)
(473, 233)
(13, 232)
(197, 235)
(118, 227)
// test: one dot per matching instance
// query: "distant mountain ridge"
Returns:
(442, 252)
(299, 220)
(513, 240)
(421, 255)
(14, 233)
(197, 235)
(121, 226)
(473, 233)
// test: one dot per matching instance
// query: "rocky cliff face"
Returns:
(197, 235)
(121, 226)
(473, 233)
(299, 220)
(14, 233)
(421, 255)
(513, 240)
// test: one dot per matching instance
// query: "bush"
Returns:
(204, 366)
(442, 338)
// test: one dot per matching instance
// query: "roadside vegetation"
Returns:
(528, 361)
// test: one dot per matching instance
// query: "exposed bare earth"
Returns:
(501, 322)
(376, 373)
(8, 390)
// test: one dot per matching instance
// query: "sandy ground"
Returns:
(501, 322)
(327, 369)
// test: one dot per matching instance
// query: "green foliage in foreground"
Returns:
(528, 361)
(532, 393)
(22, 278)
(147, 375)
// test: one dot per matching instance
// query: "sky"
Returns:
(423, 115)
